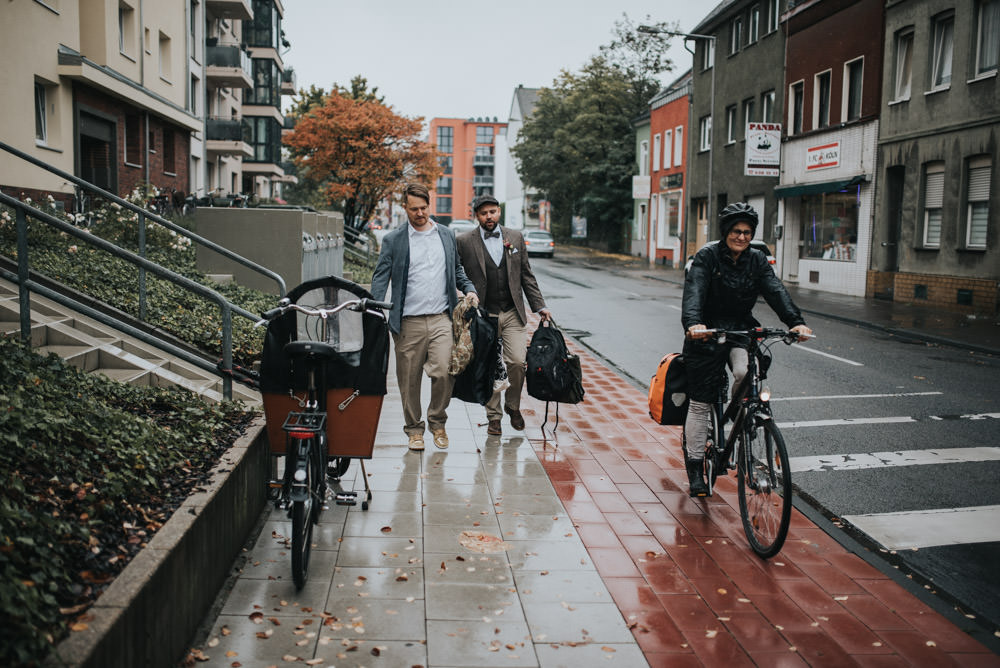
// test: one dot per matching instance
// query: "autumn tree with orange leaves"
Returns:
(360, 151)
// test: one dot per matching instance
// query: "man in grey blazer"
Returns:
(496, 261)
(420, 261)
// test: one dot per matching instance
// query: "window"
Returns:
(263, 133)
(656, 152)
(753, 29)
(853, 78)
(133, 137)
(796, 94)
(707, 54)
(126, 29)
(767, 107)
(978, 201)
(829, 225)
(445, 162)
(446, 138)
(735, 35)
(264, 30)
(773, 14)
(678, 146)
(41, 133)
(987, 36)
(933, 203)
(484, 134)
(166, 64)
(667, 148)
(944, 32)
(705, 133)
(644, 158)
(731, 124)
(443, 186)
(672, 209)
(266, 84)
(747, 112)
(903, 70)
(169, 155)
(443, 205)
(821, 100)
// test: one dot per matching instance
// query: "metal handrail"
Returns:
(143, 214)
(25, 284)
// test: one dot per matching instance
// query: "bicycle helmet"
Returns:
(734, 213)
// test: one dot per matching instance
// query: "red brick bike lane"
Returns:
(680, 569)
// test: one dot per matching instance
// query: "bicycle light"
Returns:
(765, 394)
(300, 475)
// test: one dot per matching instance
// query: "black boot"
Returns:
(696, 476)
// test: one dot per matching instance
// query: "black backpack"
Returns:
(552, 373)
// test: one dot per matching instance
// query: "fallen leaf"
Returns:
(225, 631)
(213, 642)
(79, 626)
(257, 617)
(711, 633)
(231, 653)
(605, 648)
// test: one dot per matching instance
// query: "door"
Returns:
(895, 177)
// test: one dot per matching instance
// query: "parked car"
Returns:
(459, 226)
(754, 243)
(539, 242)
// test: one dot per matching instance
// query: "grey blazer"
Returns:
(393, 267)
(520, 278)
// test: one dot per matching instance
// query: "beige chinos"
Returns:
(515, 344)
(423, 345)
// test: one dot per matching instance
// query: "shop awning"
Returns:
(795, 189)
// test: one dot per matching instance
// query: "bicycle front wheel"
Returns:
(302, 527)
(764, 483)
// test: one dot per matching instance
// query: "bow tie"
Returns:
(490, 235)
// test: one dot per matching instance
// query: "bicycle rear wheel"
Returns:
(302, 527)
(764, 483)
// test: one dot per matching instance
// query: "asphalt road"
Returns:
(895, 442)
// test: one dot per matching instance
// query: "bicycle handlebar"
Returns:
(363, 305)
(760, 333)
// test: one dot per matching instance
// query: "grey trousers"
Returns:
(515, 346)
(699, 417)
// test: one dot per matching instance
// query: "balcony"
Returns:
(228, 66)
(483, 160)
(229, 9)
(288, 81)
(482, 182)
(224, 136)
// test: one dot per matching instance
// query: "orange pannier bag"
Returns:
(668, 400)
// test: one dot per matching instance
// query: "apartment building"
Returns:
(638, 244)
(130, 92)
(467, 151)
(935, 236)
(828, 181)
(737, 79)
(668, 128)
(522, 204)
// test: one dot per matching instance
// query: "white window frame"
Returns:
(977, 198)
(796, 111)
(902, 78)
(817, 116)
(707, 54)
(668, 147)
(731, 124)
(933, 204)
(942, 51)
(748, 109)
(166, 54)
(657, 148)
(773, 15)
(753, 26)
(674, 227)
(705, 133)
(678, 146)
(767, 107)
(735, 35)
(41, 118)
(126, 29)
(845, 107)
(644, 158)
(987, 18)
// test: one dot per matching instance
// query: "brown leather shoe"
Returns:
(416, 442)
(516, 420)
(440, 438)
(493, 428)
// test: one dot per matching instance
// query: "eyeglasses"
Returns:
(741, 233)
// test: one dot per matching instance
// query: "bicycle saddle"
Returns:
(310, 349)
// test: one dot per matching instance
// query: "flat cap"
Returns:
(484, 199)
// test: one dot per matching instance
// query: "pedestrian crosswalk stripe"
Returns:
(842, 422)
(931, 528)
(857, 396)
(874, 460)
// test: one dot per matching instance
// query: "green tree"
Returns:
(578, 146)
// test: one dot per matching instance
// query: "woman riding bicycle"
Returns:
(720, 290)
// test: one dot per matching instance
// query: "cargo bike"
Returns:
(322, 379)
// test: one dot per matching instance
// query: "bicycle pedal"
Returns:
(346, 498)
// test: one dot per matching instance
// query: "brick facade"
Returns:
(953, 293)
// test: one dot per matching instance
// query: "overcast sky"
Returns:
(462, 58)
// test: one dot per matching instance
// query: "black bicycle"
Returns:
(754, 445)
(307, 460)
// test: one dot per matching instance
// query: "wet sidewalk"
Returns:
(578, 549)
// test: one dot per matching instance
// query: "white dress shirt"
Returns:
(426, 283)
(494, 245)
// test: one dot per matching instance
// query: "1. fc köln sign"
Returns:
(821, 157)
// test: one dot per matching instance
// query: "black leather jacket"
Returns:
(719, 292)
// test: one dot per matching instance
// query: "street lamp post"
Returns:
(710, 39)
